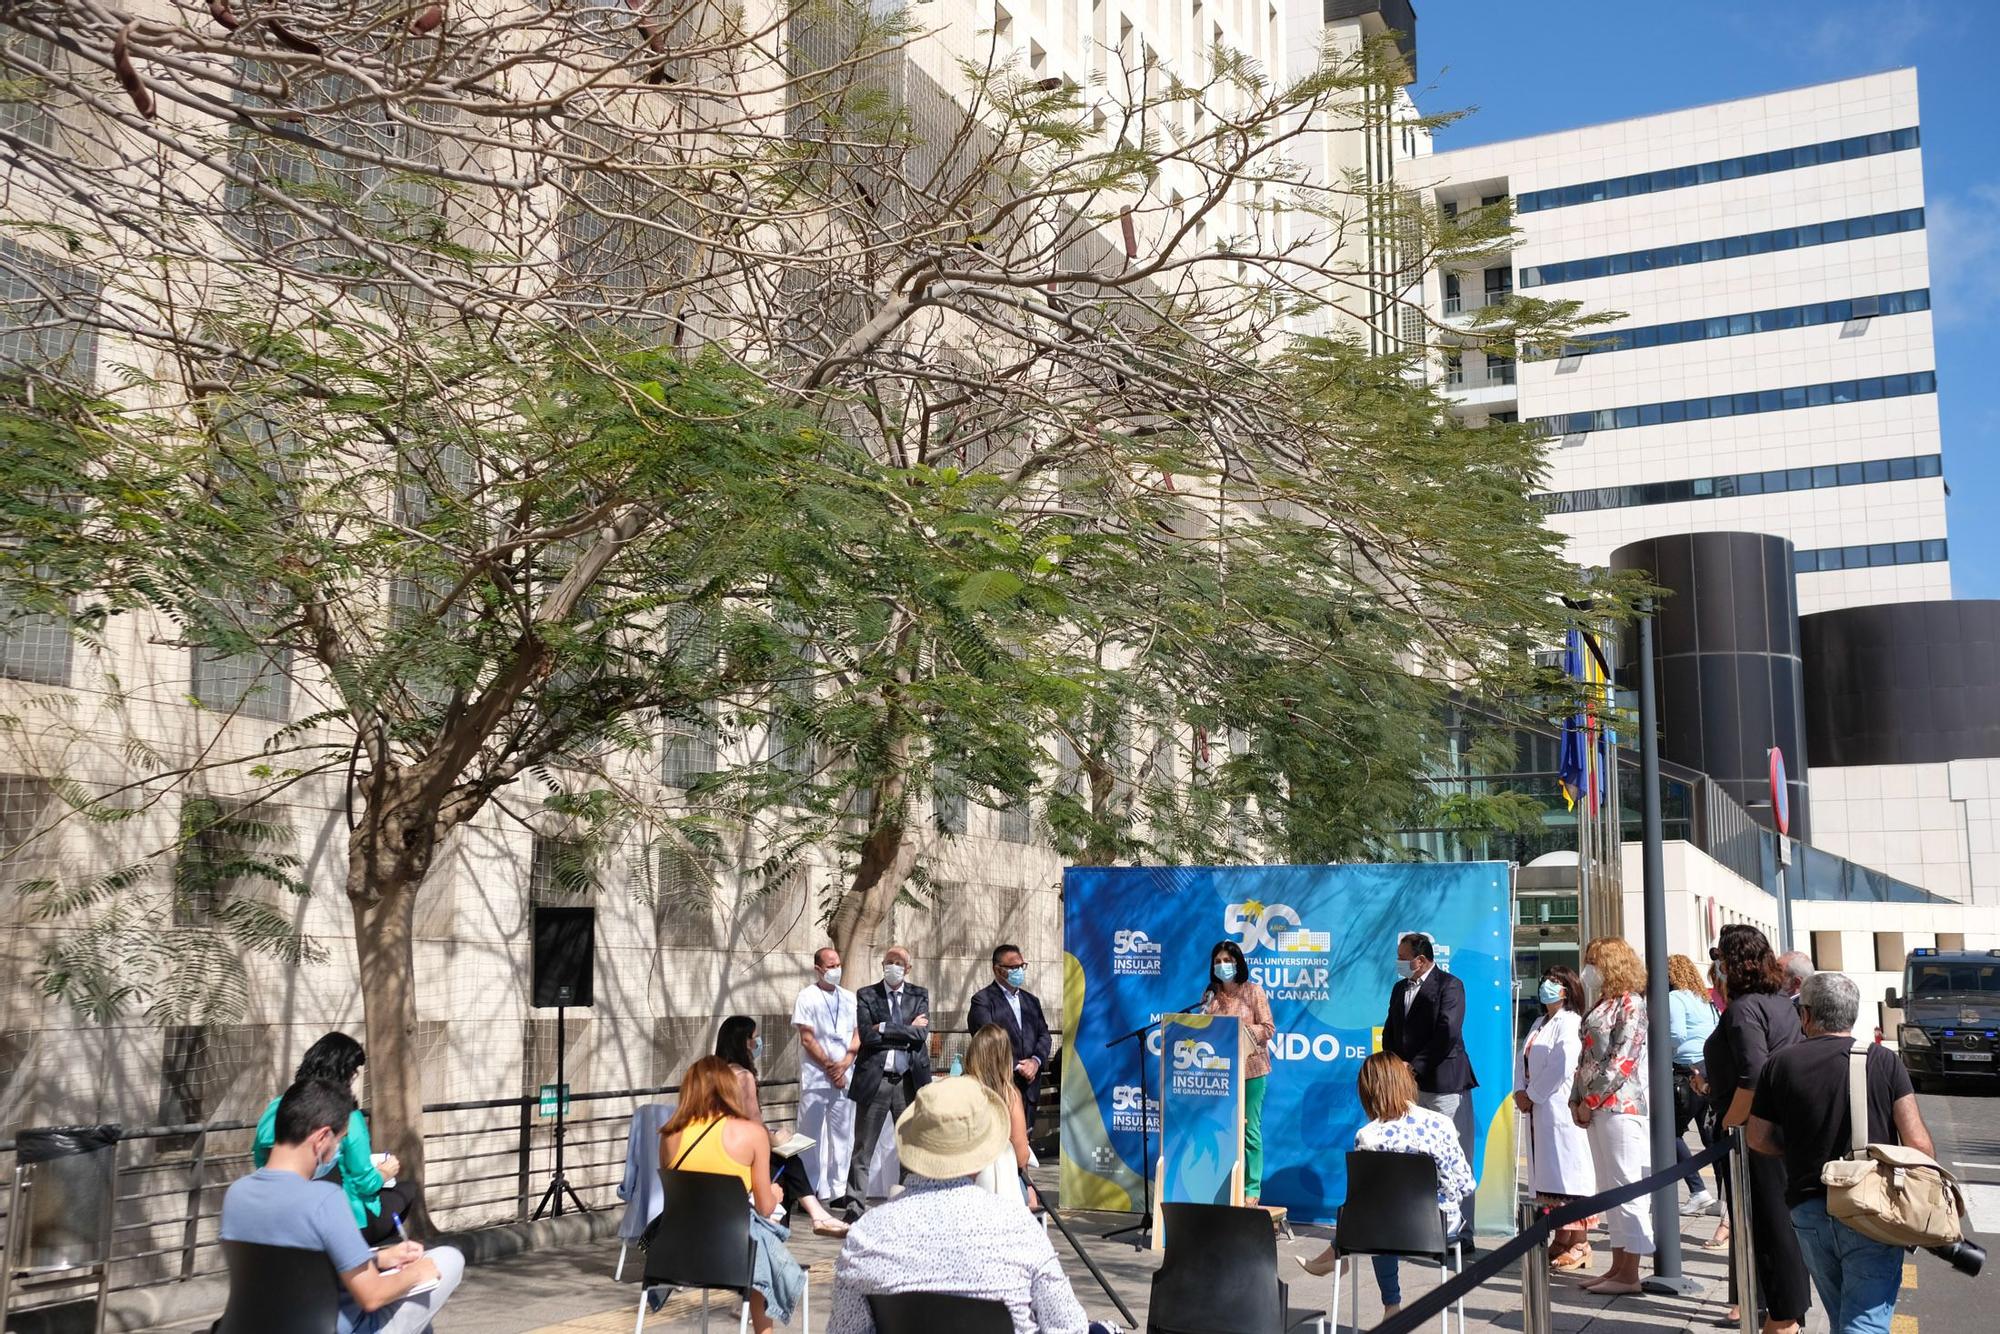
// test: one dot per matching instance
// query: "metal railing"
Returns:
(486, 1164)
(1460, 302)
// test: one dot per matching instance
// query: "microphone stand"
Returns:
(1144, 1227)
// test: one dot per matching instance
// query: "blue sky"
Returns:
(1529, 66)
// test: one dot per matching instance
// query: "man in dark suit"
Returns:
(893, 1017)
(1005, 1003)
(1426, 1027)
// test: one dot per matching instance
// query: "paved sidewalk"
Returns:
(570, 1290)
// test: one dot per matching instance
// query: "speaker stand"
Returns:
(559, 1187)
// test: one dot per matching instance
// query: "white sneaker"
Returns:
(1701, 1202)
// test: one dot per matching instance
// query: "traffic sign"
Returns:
(1781, 808)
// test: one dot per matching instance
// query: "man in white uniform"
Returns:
(830, 1037)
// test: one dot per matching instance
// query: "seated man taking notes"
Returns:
(396, 1290)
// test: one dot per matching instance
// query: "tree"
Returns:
(486, 384)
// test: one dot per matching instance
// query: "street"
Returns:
(1965, 1124)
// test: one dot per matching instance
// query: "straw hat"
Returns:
(953, 1128)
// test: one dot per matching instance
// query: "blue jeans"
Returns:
(1387, 1279)
(1857, 1278)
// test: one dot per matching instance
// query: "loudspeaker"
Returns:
(565, 950)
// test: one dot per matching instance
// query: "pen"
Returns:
(401, 1231)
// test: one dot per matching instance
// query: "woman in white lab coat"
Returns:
(1560, 1167)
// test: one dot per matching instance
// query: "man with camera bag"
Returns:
(1800, 1112)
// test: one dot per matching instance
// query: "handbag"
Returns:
(1888, 1192)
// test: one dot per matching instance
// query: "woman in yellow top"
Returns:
(1232, 991)
(711, 1131)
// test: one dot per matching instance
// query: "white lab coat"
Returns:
(1559, 1159)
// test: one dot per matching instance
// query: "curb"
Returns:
(137, 1309)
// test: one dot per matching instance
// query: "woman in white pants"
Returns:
(1608, 1098)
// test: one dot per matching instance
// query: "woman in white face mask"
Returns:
(1232, 991)
(1560, 1168)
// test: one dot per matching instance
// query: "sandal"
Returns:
(1576, 1257)
(1718, 1242)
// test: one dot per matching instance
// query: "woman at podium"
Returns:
(1232, 991)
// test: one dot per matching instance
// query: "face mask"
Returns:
(892, 974)
(1592, 979)
(1225, 972)
(1551, 992)
(831, 977)
(757, 1050)
(321, 1169)
(1017, 977)
(1404, 967)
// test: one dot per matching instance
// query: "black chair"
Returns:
(930, 1312)
(1220, 1275)
(1392, 1209)
(702, 1240)
(279, 1290)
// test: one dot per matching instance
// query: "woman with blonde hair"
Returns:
(1397, 1124)
(711, 1130)
(1690, 1019)
(1608, 1097)
(990, 1060)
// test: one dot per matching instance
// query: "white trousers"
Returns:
(1618, 1143)
(827, 1116)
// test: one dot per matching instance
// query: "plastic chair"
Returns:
(703, 1241)
(1400, 1218)
(1220, 1275)
(279, 1290)
(929, 1312)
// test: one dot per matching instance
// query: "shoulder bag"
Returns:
(1888, 1192)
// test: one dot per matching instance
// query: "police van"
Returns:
(1951, 1014)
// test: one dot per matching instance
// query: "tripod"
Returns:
(1144, 1227)
(559, 1187)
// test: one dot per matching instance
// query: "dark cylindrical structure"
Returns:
(1726, 659)
(1903, 682)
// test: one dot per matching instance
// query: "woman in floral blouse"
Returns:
(1396, 1124)
(1608, 1098)
(1232, 991)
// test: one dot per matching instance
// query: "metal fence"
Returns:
(485, 1162)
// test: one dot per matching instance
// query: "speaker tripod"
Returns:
(559, 1187)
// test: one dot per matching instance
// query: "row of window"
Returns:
(1734, 326)
(1728, 247)
(1741, 405)
(1724, 169)
(1872, 556)
(1769, 483)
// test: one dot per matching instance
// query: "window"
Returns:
(24, 99)
(1728, 247)
(1725, 169)
(950, 809)
(559, 871)
(688, 750)
(1750, 404)
(227, 849)
(1873, 556)
(28, 841)
(1014, 824)
(43, 308)
(1742, 484)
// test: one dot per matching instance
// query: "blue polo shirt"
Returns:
(276, 1208)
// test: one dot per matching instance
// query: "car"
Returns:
(1951, 1015)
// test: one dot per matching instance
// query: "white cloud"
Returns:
(1965, 254)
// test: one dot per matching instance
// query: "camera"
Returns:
(1964, 1256)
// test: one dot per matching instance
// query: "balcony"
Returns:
(1464, 303)
(1489, 387)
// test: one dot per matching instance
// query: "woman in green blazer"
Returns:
(372, 1192)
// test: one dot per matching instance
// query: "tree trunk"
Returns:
(388, 854)
(887, 856)
(382, 945)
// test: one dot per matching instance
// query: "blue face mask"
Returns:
(322, 1169)
(1404, 967)
(757, 1049)
(1551, 992)
(1017, 977)
(1225, 972)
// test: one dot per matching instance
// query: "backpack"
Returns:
(1886, 1192)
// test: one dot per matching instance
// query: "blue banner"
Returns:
(1321, 940)
(1201, 1110)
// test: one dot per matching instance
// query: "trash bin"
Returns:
(68, 1187)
